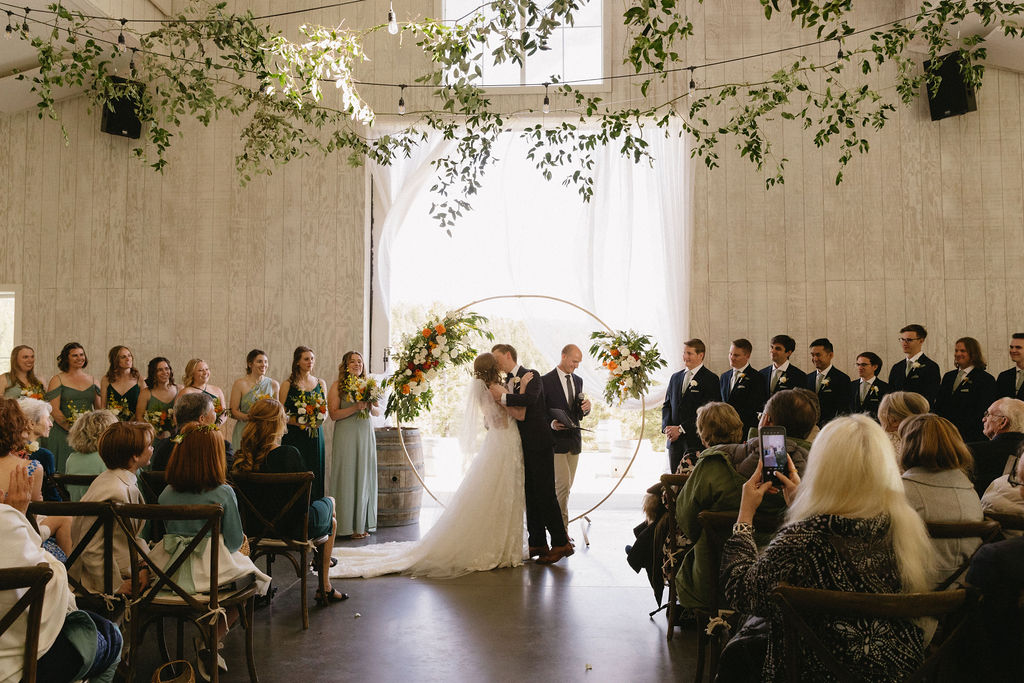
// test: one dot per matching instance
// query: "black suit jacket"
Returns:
(1006, 385)
(681, 403)
(871, 401)
(966, 406)
(747, 397)
(834, 395)
(990, 457)
(794, 376)
(535, 430)
(923, 380)
(565, 440)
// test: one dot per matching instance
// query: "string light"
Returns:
(121, 43)
(131, 64)
(392, 21)
(693, 83)
(547, 101)
(9, 31)
(840, 54)
(401, 100)
(24, 22)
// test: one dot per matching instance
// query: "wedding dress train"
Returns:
(481, 527)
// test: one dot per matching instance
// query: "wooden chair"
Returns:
(669, 488)
(1007, 522)
(34, 580)
(717, 526)
(165, 598)
(954, 608)
(275, 518)
(986, 532)
(62, 481)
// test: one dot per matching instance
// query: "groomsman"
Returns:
(689, 389)
(742, 387)
(1010, 383)
(918, 372)
(965, 393)
(564, 390)
(831, 384)
(782, 374)
(867, 392)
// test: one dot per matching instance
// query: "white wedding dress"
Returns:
(481, 527)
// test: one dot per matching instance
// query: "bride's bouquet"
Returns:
(310, 412)
(362, 389)
(630, 358)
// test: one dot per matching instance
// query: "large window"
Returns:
(576, 52)
(7, 324)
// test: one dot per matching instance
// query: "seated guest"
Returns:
(718, 477)
(192, 407)
(1010, 383)
(261, 451)
(85, 459)
(73, 645)
(966, 392)
(831, 384)
(1003, 498)
(742, 387)
(39, 424)
(842, 533)
(782, 374)
(1003, 427)
(894, 409)
(124, 448)
(866, 393)
(936, 476)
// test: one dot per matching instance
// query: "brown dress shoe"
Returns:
(538, 550)
(555, 554)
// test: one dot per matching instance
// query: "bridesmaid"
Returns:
(71, 393)
(120, 386)
(255, 385)
(21, 381)
(304, 430)
(354, 463)
(156, 401)
(197, 381)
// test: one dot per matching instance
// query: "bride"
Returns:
(481, 528)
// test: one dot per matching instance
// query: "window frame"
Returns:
(14, 291)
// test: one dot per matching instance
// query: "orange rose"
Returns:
(440, 328)
(614, 352)
(426, 331)
(405, 389)
(309, 410)
(612, 365)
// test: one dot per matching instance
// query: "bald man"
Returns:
(564, 390)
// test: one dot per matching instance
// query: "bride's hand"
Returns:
(526, 380)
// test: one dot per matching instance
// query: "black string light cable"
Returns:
(275, 15)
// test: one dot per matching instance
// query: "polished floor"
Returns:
(584, 619)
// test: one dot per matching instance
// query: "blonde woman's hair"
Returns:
(190, 368)
(851, 472)
(85, 432)
(719, 423)
(898, 406)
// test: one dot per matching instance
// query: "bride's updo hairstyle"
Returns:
(485, 367)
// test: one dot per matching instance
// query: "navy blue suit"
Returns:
(923, 380)
(1006, 385)
(833, 396)
(747, 397)
(794, 378)
(871, 401)
(680, 408)
(966, 406)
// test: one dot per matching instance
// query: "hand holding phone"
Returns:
(772, 442)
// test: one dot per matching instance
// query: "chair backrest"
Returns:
(717, 526)
(34, 579)
(1007, 522)
(151, 485)
(274, 506)
(163, 580)
(986, 531)
(796, 603)
(63, 481)
(102, 514)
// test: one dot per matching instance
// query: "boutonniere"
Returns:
(693, 384)
(783, 379)
(915, 365)
(825, 382)
(740, 376)
(873, 389)
(32, 446)
(515, 382)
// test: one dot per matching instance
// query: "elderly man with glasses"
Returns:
(1003, 425)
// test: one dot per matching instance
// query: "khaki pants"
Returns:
(565, 472)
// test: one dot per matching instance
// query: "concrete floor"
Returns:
(584, 619)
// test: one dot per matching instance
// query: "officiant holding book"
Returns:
(563, 391)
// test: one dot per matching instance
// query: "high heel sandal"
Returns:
(324, 599)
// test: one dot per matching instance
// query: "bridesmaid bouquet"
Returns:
(310, 412)
(119, 407)
(219, 410)
(362, 389)
(35, 392)
(74, 412)
(630, 359)
(162, 421)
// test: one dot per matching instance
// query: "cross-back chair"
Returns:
(33, 580)
(985, 531)
(63, 481)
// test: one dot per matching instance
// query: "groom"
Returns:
(543, 515)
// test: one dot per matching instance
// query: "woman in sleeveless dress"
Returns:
(304, 398)
(71, 393)
(197, 380)
(156, 401)
(255, 385)
(353, 454)
(22, 380)
(481, 528)
(120, 386)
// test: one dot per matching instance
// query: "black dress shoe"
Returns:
(538, 550)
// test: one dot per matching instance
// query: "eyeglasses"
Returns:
(988, 414)
(906, 340)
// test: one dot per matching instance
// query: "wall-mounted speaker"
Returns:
(119, 114)
(954, 97)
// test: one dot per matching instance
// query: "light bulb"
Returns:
(24, 22)
(392, 21)
(401, 101)
(121, 43)
(546, 108)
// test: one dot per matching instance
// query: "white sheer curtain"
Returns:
(624, 255)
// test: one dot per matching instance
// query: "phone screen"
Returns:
(773, 455)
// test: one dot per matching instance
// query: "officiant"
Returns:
(563, 391)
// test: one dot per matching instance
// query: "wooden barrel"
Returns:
(399, 492)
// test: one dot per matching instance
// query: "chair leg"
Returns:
(180, 629)
(672, 613)
(248, 622)
(702, 647)
(305, 587)
(161, 640)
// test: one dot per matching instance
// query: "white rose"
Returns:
(624, 350)
(431, 374)
(441, 341)
(408, 373)
(436, 353)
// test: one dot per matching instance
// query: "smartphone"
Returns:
(773, 453)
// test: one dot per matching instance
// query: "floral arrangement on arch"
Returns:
(362, 389)
(437, 345)
(630, 358)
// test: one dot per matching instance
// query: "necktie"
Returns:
(959, 379)
(863, 390)
(1020, 378)
(910, 366)
(569, 393)
(817, 384)
(735, 376)
(686, 381)
(775, 379)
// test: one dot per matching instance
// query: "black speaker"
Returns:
(119, 114)
(954, 97)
